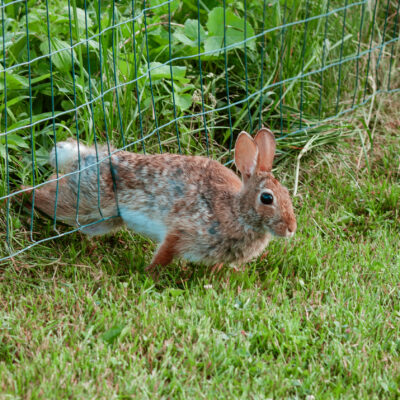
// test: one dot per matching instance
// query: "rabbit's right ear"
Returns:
(265, 141)
(246, 154)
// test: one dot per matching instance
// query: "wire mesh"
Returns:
(175, 76)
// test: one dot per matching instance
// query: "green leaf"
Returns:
(14, 141)
(112, 334)
(176, 292)
(61, 60)
(189, 35)
(161, 36)
(161, 71)
(213, 43)
(234, 31)
(183, 101)
(81, 17)
(185, 88)
(17, 49)
(159, 9)
(14, 82)
(192, 30)
(181, 37)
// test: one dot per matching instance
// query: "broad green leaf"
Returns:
(234, 31)
(213, 43)
(17, 50)
(185, 88)
(192, 30)
(112, 334)
(181, 37)
(14, 140)
(159, 9)
(123, 67)
(81, 17)
(14, 82)
(189, 35)
(183, 101)
(161, 36)
(176, 292)
(61, 60)
(161, 71)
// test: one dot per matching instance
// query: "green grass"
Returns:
(317, 317)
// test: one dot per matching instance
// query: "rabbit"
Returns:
(194, 207)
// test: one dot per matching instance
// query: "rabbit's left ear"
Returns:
(265, 141)
(246, 155)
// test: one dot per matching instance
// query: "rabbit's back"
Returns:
(162, 192)
(192, 196)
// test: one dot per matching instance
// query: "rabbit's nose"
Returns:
(291, 229)
(289, 233)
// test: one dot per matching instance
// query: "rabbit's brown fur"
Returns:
(194, 207)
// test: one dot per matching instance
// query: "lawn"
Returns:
(315, 317)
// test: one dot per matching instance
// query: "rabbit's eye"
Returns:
(266, 198)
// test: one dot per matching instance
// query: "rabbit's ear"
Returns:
(246, 154)
(265, 141)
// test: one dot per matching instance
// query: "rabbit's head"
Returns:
(265, 204)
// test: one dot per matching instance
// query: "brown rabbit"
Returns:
(196, 208)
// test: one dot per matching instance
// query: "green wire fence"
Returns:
(178, 76)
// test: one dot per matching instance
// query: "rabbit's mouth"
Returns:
(283, 230)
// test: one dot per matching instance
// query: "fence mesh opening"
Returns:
(177, 76)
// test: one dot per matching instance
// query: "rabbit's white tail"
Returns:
(67, 154)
